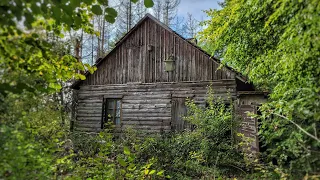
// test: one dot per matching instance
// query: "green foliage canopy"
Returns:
(27, 61)
(276, 44)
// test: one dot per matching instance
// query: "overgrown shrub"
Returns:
(31, 138)
(100, 156)
(34, 144)
(208, 150)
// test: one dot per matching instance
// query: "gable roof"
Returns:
(149, 16)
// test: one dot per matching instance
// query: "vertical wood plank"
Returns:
(171, 53)
(160, 55)
(185, 62)
(147, 62)
(144, 52)
(139, 51)
(189, 63)
(177, 58)
(165, 52)
(151, 37)
(123, 67)
(194, 65)
(181, 63)
(117, 64)
(204, 67)
(155, 42)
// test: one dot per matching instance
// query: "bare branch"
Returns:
(299, 127)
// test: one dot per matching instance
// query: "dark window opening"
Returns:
(262, 147)
(111, 112)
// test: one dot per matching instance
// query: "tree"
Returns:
(276, 44)
(178, 26)
(126, 15)
(103, 39)
(166, 10)
(24, 53)
(35, 62)
(191, 26)
(169, 10)
(157, 9)
(140, 10)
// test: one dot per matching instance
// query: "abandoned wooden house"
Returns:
(144, 82)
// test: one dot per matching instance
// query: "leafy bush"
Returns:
(276, 44)
(35, 145)
(207, 151)
(31, 138)
(99, 156)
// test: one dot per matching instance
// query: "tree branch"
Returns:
(299, 127)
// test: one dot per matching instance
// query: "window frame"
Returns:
(105, 107)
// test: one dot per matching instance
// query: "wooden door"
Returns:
(178, 111)
(249, 125)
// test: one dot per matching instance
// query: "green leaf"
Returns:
(110, 19)
(56, 12)
(152, 172)
(103, 2)
(77, 21)
(55, 86)
(88, 2)
(75, 3)
(111, 15)
(126, 150)
(121, 161)
(111, 11)
(35, 35)
(146, 171)
(67, 19)
(148, 3)
(134, 1)
(35, 9)
(82, 77)
(160, 173)
(131, 157)
(96, 9)
(29, 20)
(131, 167)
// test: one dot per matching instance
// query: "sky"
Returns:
(196, 7)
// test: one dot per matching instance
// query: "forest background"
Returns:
(45, 44)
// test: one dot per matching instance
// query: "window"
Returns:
(111, 111)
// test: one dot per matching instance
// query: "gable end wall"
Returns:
(131, 61)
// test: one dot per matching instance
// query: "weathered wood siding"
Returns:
(131, 61)
(145, 106)
(249, 103)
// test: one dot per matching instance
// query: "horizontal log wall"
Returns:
(132, 61)
(145, 106)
